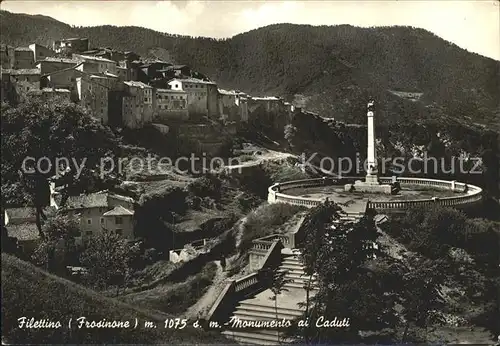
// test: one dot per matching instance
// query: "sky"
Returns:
(471, 24)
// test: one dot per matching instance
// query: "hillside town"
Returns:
(123, 89)
(281, 246)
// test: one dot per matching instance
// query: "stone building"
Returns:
(23, 58)
(102, 210)
(6, 56)
(47, 94)
(137, 104)
(71, 45)
(233, 106)
(40, 52)
(61, 79)
(24, 80)
(202, 96)
(53, 64)
(93, 93)
(102, 65)
(170, 104)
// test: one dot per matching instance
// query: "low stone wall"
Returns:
(474, 194)
(236, 290)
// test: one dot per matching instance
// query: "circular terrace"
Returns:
(414, 192)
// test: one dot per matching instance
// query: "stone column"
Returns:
(372, 172)
(372, 158)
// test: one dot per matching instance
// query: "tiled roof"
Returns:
(23, 213)
(118, 210)
(24, 71)
(65, 70)
(137, 84)
(23, 231)
(110, 75)
(226, 92)
(191, 80)
(74, 39)
(266, 98)
(95, 58)
(56, 90)
(93, 200)
(61, 60)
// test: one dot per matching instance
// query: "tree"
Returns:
(314, 227)
(107, 257)
(278, 283)
(419, 290)
(58, 248)
(341, 255)
(43, 132)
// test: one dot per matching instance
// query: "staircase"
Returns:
(262, 308)
(351, 215)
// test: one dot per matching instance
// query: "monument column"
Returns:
(372, 157)
(371, 183)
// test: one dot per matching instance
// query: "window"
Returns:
(177, 85)
(88, 233)
(89, 221)
(102, 221)
(119, 231)
(118, 220)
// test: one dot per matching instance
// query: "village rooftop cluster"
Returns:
(121, 88)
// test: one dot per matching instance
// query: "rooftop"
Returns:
(266, 98)
(191, 80)
(22, 49)
(55, 90)
(61, 60)
(74, 39)
(118, 210)
(23, 231)
(20, 213)
(93, 58)
(137, 84)
(24, 71)
(93, 200)
(227, 92)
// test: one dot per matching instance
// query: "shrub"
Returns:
(206, 186)
(265, 220)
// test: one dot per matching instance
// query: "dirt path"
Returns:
(203, 305)
(206, 301)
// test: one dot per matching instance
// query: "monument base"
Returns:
(370, 185)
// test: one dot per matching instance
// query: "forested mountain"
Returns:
(333, 69)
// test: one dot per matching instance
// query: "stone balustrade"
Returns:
(474, 194)
(236, 289)
(246, 282)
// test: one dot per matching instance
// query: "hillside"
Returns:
(333, 68)
(31, 292)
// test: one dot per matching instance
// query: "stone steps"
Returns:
(249, 306)
(254, 337)
(263, 315)
(260, 309)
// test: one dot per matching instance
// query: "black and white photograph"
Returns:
(250, 172)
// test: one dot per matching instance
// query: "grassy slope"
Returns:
(31, 292)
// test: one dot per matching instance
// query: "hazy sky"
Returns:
(473, 25)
